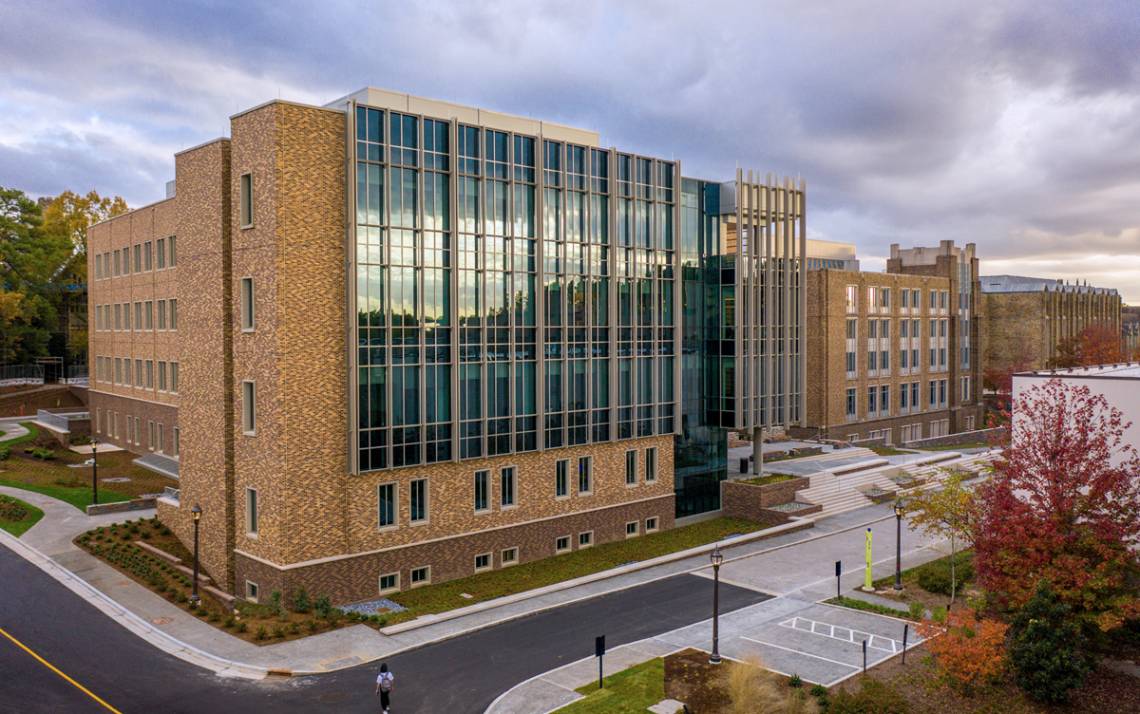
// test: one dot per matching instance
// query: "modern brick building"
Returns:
(394, 341)
(893, 355)
(1027, 318)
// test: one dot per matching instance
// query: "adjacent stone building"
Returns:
(893, 355)
(1027, 318)
(394, 341)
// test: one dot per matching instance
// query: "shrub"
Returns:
(795, 682)
(818, 690)
(261, 634)
(11, 509)
(970, 652)
(278, 605)
(1048, 649)
(242, 627)
(229, 623)
(938, 614)
(323, 607)
(5, 451)
(873, 697)
(43, 454)
(301, 602)
(751, 688)
(278, 632)
(917, 610)
(295, 628)
(313, 626)
(934, 577)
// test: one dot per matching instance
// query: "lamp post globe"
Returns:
(196, 513)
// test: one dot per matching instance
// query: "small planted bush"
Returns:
(323, 607)
(301, 602)
(917, 610)
(795, 682)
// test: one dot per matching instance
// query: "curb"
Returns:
(132, 622)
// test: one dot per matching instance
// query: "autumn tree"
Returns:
(1095, 344)
(1063, 506)
(945, 512)
(69, 215)
(969, 650)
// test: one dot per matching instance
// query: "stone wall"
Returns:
(740, 499)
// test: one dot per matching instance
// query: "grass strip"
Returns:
(630, 690)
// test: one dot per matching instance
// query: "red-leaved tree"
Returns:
(1063, 505)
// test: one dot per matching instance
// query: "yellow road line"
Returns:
(53, 668)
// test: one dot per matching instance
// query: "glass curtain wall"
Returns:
(456, 225)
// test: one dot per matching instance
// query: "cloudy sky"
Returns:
(1015, 125)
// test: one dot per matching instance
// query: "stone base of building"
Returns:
(900, 429)
(357, 577)
(112, 420)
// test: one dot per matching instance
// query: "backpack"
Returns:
(386, 681)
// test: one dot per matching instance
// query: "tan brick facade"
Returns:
(956, 406)
(317, 524)
(1024, 329)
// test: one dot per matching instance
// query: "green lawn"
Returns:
(555, 569)
(78, 496)
(770, 478)
(857, 604)
(628, 691)
(18, 516)
(888, 451)
(55, 477)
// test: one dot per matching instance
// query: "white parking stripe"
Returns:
(804, 654)
(843, 634)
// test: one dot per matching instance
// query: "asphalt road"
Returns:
(463, 674)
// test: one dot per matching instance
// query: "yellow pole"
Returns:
(867, 573)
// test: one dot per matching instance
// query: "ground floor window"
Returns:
(389, 582)
(651, 524)
(631, 529)
(421, 575)
(482, 562)
(586, 539)
(509, 556)
(562, 544)
(251, 590)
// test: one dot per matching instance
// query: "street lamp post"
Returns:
(94, 471)
(899, 511)
(197, 513)
(716, 558)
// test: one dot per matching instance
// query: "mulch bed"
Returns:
(689, 678)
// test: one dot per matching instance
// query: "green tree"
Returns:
(945, 512)
(1048, 649)
(69, 215)
(29, 258)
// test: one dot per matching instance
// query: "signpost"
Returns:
(906, 631)
(838, 572)
(599, 650)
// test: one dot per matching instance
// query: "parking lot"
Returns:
(821, 643)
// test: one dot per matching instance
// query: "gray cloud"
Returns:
(1011, 125)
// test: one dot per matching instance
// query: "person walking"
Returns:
(384, 687)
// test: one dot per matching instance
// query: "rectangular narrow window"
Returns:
(175, 446)
(482, 562)
(631, 468)
(138, 257)
(148, 255)
(561, 478)
(162, 376)
(509, 556)
(585, 539)
(251, 589)
(507, 487)
(418, 501)
(162, 314)
(386, 505)
(651, 524)
(585, 482)
(173, 314)
(160, 253)
(247, 315)
(174, 377)
(562, 544)
(631, 529)
(389, 582)
(251, 511)
(246, 200)
(421, 575)
(173, 251)
(482, 490)
(248, 407)
(651, 464)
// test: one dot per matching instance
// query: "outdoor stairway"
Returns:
(843, 493)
